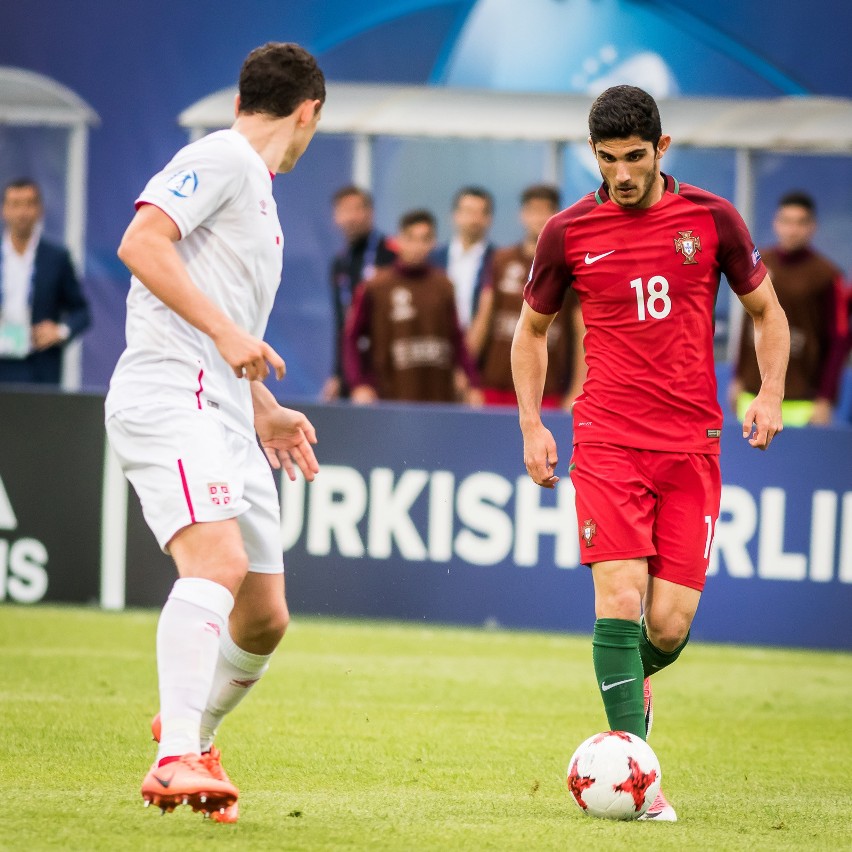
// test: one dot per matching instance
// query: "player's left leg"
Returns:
(259, 619)
(689, 489)
(669, 610)
(256, 626)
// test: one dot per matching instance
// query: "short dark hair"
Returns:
(277, 77)
(349, 190)
(542, 192)
(624, 111)
(22, 183)
(417, 217)
(475, 192)
(798, 198)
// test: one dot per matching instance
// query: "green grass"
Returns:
(403, 737)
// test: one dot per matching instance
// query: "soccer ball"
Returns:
(614, 775)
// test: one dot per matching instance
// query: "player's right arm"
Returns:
(772, 345)
(148, 250)
(529, 367)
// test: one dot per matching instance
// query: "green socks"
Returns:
(653, 659)
(618, 667)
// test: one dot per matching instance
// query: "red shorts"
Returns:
(642, 503)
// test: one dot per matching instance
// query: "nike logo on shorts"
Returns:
(590, 260)
(607, 686)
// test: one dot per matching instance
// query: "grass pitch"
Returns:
(402, 737)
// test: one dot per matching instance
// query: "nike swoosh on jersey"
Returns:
(590, 260)
(607, 686)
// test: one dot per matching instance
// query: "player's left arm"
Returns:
(772, 345)
(285, 435)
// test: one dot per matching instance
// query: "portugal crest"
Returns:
(687, 244)
(589, 530)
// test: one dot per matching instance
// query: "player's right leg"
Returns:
(615, 514)
(211, 563)
(615, 643)
(180, 466)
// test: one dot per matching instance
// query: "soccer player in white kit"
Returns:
(186, 408)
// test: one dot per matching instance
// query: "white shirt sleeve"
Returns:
(199, 180)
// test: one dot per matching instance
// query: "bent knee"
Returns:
(670, 635)
(266, 630)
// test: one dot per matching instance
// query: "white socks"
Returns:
(236, 672)
(188, 637)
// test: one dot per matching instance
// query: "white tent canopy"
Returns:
(789, 124)
(28, 99)
(800, 125)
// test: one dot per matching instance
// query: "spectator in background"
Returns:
(42, 306)
(466, 257)
(366, 251)
(403, 340)
(810, 290)
(490, 336)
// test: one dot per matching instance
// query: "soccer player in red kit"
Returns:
(644, 254)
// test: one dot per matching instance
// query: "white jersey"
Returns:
(218, 191)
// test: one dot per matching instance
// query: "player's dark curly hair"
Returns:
(277, 77)
(624, 111)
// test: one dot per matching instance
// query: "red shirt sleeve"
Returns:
(739, 258)
(550, 275)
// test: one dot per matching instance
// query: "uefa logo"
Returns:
(182, 184)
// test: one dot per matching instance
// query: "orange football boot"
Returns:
(212, 760)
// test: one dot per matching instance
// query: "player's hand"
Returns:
(763, 419)
(249, 357)
(286, 437)
(540, 456)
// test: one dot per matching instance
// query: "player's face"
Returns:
(631, 170)
(794, 226)
(306, 126)
(534, 216)
(415, 244)
(353, 216)
(472, 218)
(21, 210)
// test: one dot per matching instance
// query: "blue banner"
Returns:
(427, 513)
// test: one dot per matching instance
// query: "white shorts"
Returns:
(187, 468)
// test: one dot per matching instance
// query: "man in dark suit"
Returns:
(367, 250)
(41, 304)
(467, 257)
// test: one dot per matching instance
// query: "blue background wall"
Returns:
(139, 65)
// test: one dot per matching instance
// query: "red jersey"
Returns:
(647, 281)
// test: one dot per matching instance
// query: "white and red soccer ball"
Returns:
(614, 775)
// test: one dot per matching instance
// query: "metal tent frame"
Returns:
(28, 99)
